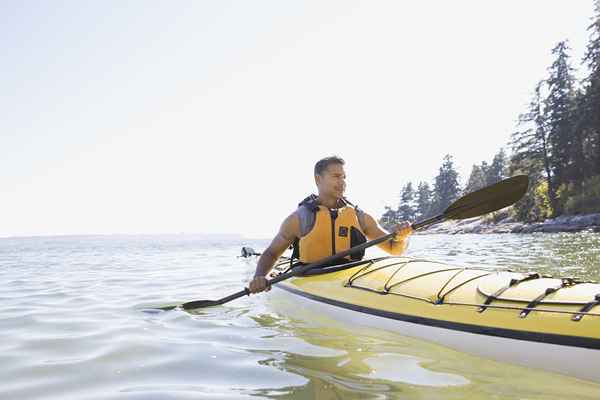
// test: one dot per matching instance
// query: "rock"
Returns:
(555, 228)
(517, 228)
(563, 223)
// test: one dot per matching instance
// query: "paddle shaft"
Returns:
(355, 249)
(304, 268)
(482, 201)
(298, 271)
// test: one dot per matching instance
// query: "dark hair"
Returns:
(322, 164)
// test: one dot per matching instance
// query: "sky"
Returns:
(153, 117)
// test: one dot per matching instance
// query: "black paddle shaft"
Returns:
(297, 271)
(482, 201)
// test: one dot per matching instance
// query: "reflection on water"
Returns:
(343, 363)
(347, 362)
(73, 326)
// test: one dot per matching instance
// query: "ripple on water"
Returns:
(73, 326)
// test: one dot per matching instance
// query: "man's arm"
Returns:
(395, 246)
(288, 232)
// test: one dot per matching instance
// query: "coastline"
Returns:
(484, 225)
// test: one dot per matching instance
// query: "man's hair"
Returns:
(322, 164)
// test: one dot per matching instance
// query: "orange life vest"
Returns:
(333, 231)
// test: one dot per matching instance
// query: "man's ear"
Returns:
(317, 179)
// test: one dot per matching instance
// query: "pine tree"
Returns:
(497, 170)
(423, 206)
(476, 179)
(527, 209)
(389, 218)
(446, 188)
(589, 110)
(406, 208)
(531, 146)
(559, 107)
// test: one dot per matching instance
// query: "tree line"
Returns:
(425, 200)
(556, 143)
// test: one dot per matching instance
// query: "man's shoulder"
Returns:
(293, 215)
(293, 219)
(291, 225)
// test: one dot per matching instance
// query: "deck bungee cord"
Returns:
(446, 287)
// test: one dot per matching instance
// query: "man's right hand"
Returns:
(259, 284)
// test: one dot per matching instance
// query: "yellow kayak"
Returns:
(521, 318)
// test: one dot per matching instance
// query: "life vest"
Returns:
(325, 232)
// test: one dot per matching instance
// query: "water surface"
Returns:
(73, 325)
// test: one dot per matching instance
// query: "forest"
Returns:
(556, 143)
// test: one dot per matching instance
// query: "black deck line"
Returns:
(539, 337)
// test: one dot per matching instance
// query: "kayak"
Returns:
(521, 318)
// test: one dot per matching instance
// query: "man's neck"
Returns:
(329, 202)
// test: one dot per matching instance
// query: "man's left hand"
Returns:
(403, 230)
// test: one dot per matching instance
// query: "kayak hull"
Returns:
(546, 338)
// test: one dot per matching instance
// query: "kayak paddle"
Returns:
(474, 204)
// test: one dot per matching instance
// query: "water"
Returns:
(73, 326)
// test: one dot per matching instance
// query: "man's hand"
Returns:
(259, 284)
(402, 230)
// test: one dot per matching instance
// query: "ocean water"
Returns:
(74, 324)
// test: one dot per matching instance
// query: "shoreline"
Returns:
(483, 225)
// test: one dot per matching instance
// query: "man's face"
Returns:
(332, 182)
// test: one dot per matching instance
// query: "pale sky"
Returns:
(208, 116)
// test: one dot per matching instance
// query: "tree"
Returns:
(476, 179)
(406, 208)
(389, 218)
(528, 208)
(559, 110)
(423, 202)
(497, 170)
(446, 188)
(589, 110)
(531, 146)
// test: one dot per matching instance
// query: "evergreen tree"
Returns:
(589, 109)
(446, 188)
(497, 170)
(423, 202)
(559, 116)
(389, 218)
(476, 179)
(528, 208)
(531, 146)
(406, 208)
(582, 152)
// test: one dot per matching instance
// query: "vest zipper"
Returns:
(333, 214)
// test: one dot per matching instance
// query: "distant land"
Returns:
(196, 236)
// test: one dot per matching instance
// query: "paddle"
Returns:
(483, 201)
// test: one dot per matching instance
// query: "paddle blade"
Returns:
(488, 199)
(163, 308)
(192, 305)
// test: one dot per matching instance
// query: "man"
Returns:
(324, 225)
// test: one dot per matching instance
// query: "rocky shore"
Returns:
(565, 223)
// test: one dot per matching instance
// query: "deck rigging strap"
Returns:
(586, 308)
(441, 297)
(365, 270)
(513, 282)
(399, 266)
(387, 287)
(564, 282)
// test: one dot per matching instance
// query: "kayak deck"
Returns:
(524, 318)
